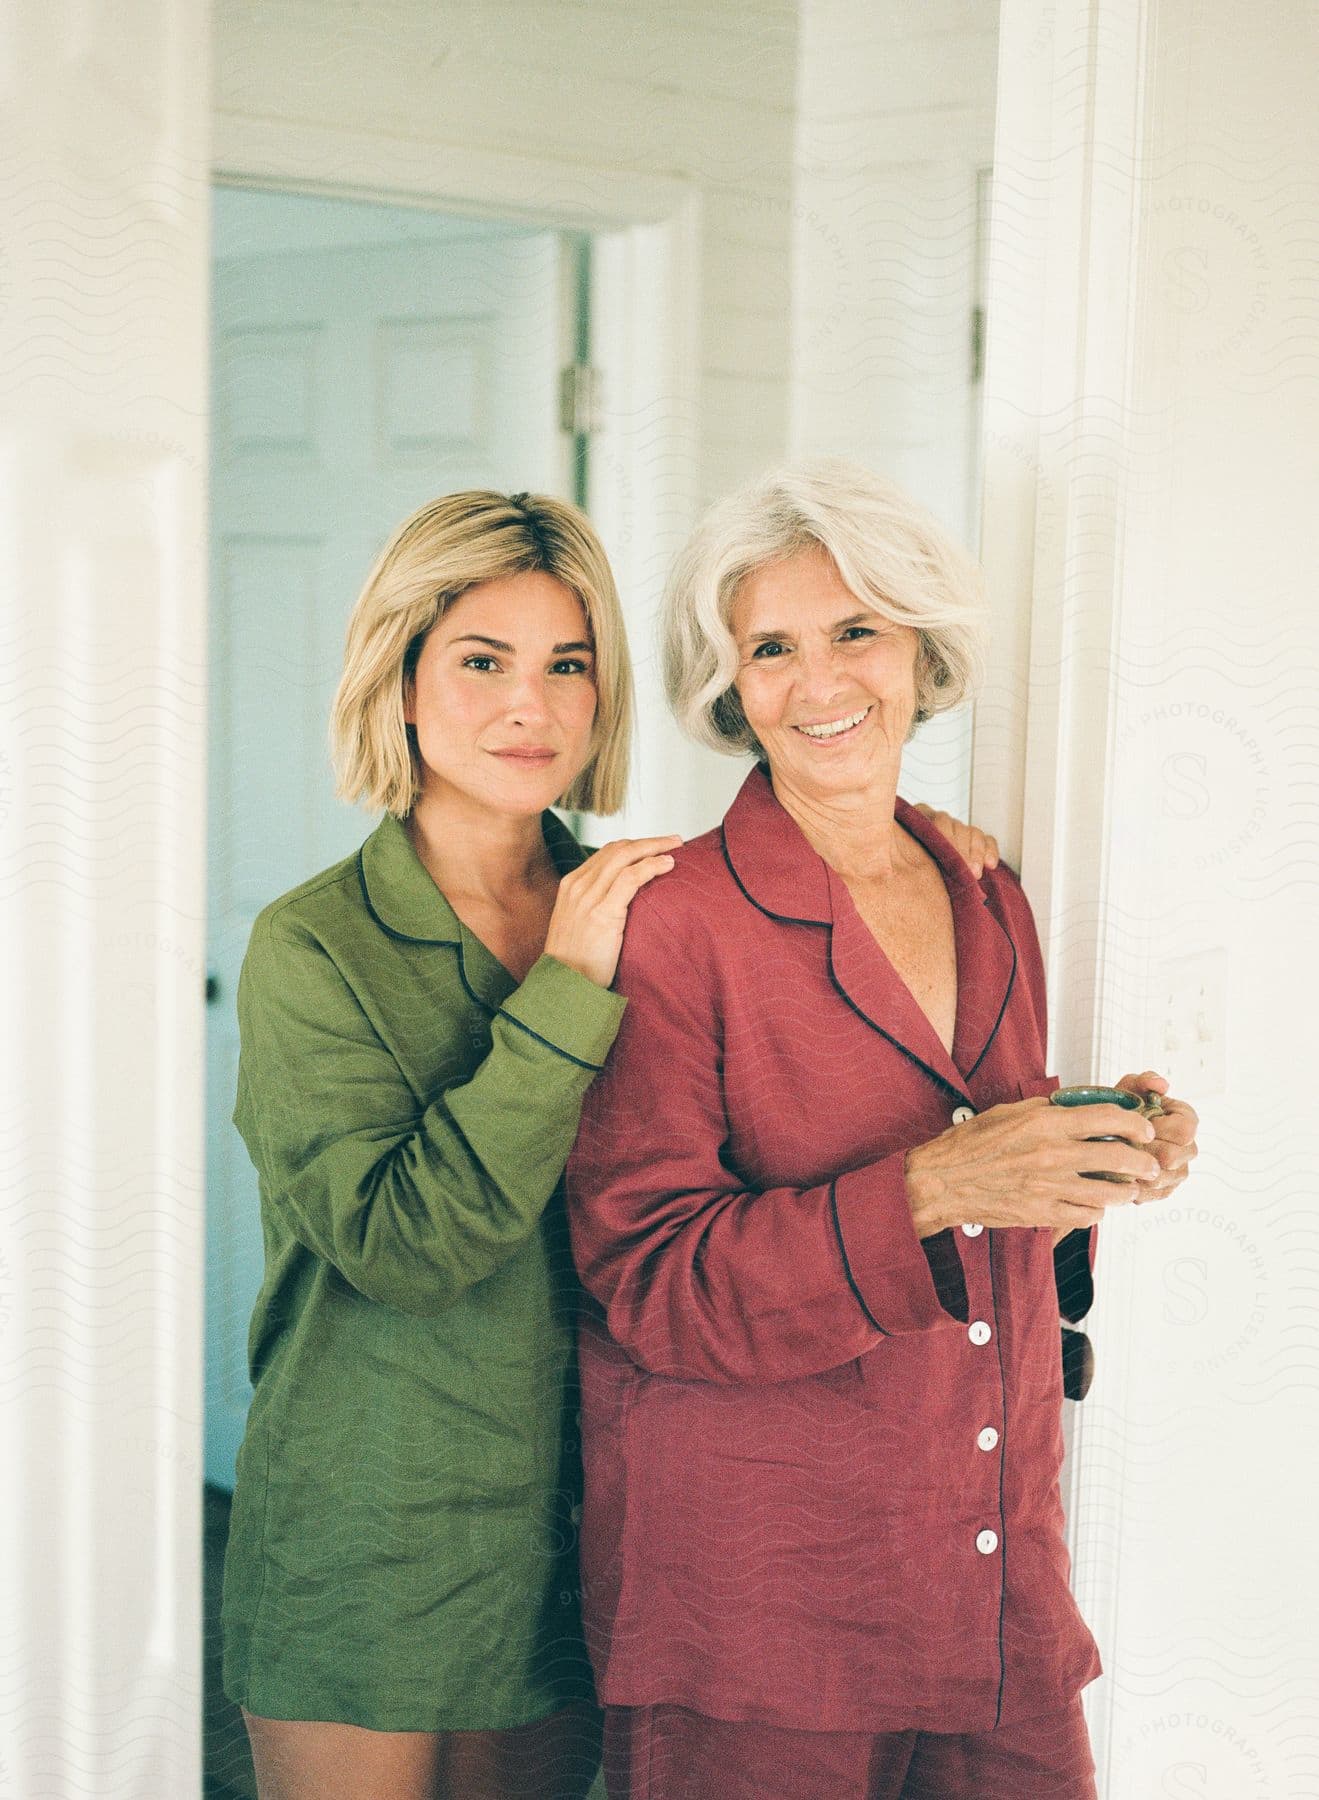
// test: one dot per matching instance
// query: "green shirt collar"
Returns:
(401, 895)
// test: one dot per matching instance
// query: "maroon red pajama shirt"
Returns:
(822, 1455)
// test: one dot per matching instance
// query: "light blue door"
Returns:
(352, 380)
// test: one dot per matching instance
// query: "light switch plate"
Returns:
(1192, 1021)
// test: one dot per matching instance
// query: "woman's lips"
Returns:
(525, 756)
(835, 737)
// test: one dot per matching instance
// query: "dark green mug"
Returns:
(1148, 1106)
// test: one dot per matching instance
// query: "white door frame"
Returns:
(1062, 443)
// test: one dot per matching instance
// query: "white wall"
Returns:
(103, 286)
(1154, 455)
(896, 119)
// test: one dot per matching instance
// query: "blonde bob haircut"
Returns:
(891, 553)
(444, 548)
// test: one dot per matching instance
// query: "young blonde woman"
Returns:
(419, 1026)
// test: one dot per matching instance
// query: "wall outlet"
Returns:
(1192, 1019)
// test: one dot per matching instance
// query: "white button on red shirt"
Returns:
(987, 1543)
(987, 1438)
(962, 1113)
(973, 1230)
(979, 1332)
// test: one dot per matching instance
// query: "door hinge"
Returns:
(977, 344)
(579, 399)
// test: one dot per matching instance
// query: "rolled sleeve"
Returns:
(567, 1011)
(901, 1284)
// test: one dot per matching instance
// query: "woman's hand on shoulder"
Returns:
(586, 926)
(1027, 1163)
(975, 847)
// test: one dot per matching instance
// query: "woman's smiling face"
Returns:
(827, 685)
(503, 699)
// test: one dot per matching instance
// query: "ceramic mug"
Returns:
(1147, 1105)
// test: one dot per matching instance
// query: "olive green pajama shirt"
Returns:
(402, 1547)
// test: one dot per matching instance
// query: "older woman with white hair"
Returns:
(817, 1193)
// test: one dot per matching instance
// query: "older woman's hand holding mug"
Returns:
(1173, 1145)
(1030, 1163)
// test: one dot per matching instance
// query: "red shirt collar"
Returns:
(779, 871)
(783, 874)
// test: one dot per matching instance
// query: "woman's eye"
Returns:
(855, 632)
(570, 665)
(766, 652)
(480, 662)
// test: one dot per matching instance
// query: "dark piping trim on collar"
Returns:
(403, 937)
(958, 1093)
(1012, 980)
(787, 918)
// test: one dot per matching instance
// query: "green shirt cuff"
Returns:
(567, 1011)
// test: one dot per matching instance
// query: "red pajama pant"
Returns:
(668, 1753)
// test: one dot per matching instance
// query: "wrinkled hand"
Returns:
(974, 846)
(1026, 1163)
(1174, 1144)
(586, 926)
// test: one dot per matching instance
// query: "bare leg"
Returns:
(553, 1759)
(298, 1760)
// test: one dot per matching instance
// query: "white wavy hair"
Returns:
(890, 551)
